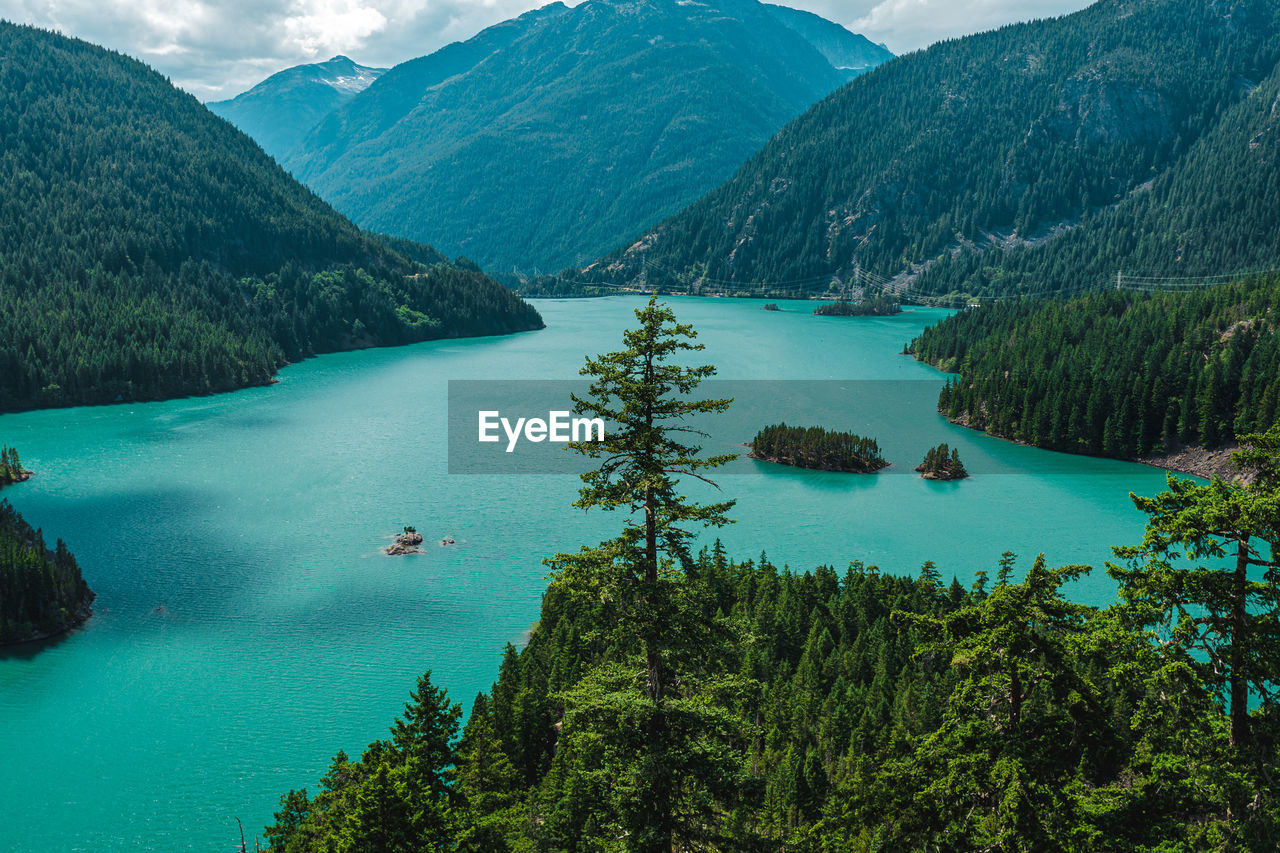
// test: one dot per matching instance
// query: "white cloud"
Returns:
(218, 48)
(319, 27)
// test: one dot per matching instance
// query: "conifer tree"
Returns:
(424, 740)
(1224, 621)
(992, 775)
(663, 746)
(487, 787)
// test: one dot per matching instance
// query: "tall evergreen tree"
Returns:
(487, 787)
(667, 748)
(1215, 609)
(424, 739)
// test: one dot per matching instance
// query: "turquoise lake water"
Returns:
(247, 626)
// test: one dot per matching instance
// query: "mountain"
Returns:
(983, 162)
(148, 249)
(549, 138)
(1213, 215)
(279, 111)
(848, 52)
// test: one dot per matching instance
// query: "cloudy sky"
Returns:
(218, 49)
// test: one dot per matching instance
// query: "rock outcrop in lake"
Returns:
(406, 543)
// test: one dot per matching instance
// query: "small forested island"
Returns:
(11, 470)
(880, 305)
(41, 592)
(771, 306)
(942, 463)
(815, 447)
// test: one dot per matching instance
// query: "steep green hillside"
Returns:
(279, 111)
(148, 249)
(1215, 212)
(546, 140)
(953, 158)
(1115, 374)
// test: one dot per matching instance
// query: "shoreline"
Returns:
(1196, 461)
(777, 460)
(1191, 460)
(83, 614)
(21, 478)
(269, 381)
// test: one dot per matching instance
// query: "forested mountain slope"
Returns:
(547, 139)
(148, 249)
(1116, 374)
(279, 111)
(1109, 126)
(1215, 212)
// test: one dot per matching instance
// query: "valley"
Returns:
(245, 348)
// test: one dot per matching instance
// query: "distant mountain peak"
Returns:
(550, 137)
(281, 109)
(843, 48)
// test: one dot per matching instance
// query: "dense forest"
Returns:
(1212, 215)
(546, 140)
(1116, 373)
(815, 447)
(859, 715)
(41, 591)
(671, 701)
(1036, 157)
(148, 249)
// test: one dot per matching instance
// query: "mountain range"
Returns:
(548, 139)
(279, 111)
(1040, 157)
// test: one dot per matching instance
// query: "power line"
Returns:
(1150, 283)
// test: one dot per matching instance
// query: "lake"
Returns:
(247, 625)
